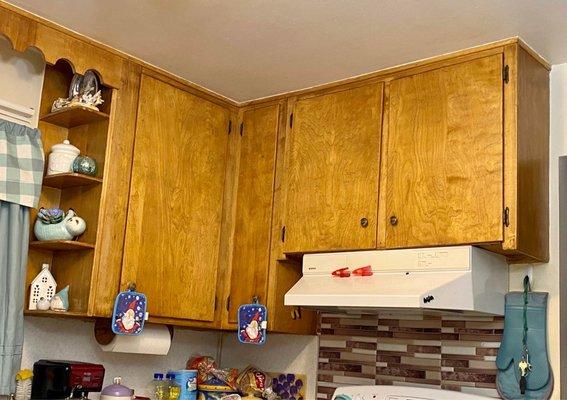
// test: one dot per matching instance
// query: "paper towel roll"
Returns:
(154, 339)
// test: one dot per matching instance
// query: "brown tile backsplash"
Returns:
(451, 352)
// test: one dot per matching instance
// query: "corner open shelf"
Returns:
(56, 314)
(74, 116)
(58, 245)
(71, 262)
(71, 179)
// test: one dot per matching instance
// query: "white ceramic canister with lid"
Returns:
(61, 158)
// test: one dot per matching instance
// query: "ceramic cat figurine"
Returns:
(69, 228)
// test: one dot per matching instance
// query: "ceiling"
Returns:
(247, 49)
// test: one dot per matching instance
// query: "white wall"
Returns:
(21, 76)
(546, 276)
(73, 339)
(281, 353)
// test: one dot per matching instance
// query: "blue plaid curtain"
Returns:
(14, 237)
(21, 172)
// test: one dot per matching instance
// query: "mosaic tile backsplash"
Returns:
(447, 352)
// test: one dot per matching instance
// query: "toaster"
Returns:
(54, 379)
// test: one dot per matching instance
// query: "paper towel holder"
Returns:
(103, 331)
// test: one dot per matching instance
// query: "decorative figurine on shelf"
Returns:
(42, 289)
(83, 92)
(252, 323)
(66, 229)
(61, 158)
(129, 312)
(60, 302)
(43, 304)
(85, 165)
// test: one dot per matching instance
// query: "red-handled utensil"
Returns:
(363, 271)
(341, 272)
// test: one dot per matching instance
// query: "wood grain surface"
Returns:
(444, 160)
(334, 157)
(526, 164)
(19, 30)
(251, 248)
(56, 45)
(174, 217)
(115, 193)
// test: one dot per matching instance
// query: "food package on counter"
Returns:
(204, 365)
(209, 373)
(215, 389)
(254, 382)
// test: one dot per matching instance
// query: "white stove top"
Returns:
(388, 392)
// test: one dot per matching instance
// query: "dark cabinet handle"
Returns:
(393, 220)
(296, 313)
(364, 222)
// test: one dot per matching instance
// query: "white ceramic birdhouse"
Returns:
(43, 286)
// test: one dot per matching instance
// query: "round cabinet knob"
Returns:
(393, 220)
(364, 222)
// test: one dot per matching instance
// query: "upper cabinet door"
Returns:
(174, 216)
(251, 244)
(444, 157)
(334, 157)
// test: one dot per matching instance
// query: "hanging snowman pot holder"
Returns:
(252, 323)
(129, 312)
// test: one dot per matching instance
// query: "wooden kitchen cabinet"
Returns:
(252, 228)
(254, 268)
(444, 151)
(466, 156)
(443, 163)
(173, 229)
(332, 170)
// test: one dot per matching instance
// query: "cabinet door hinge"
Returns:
(283, 233)
(229, 126)
(506, 217)
(241, 128)
(506, 74)
(291, 120)
(228, 303)
(216, 302)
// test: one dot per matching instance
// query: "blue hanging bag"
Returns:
(252, 323)
(129, 313)
(524, 372)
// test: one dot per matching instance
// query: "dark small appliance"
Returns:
(54, 379)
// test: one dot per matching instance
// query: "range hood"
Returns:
(462, 279)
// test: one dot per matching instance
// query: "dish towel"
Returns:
(21, 164)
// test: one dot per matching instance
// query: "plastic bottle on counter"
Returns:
(160, 387)
(174, 388)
